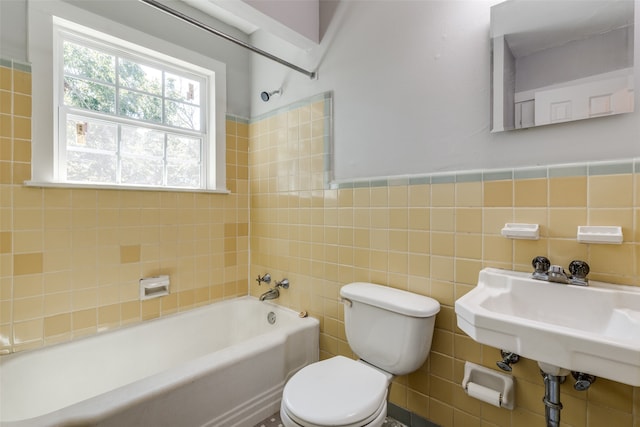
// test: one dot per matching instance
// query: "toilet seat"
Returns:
(377, 420)
(337, 392)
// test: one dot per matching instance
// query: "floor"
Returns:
(274, 421)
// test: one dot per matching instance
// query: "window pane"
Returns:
(182, 89)
(183, 115)
(184, 174)
(140, 77)
(89, 96)
(91, 167)
(179, 147)
(141, 171)
(86, 62)
(142, 142)
(139, 106)
(92, 135)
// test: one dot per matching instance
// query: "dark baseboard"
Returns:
(408, 418)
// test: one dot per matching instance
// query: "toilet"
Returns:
(390, 330)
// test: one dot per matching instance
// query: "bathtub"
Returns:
(219, 365)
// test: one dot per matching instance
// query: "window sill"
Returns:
(121, 187)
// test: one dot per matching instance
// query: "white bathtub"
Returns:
(218, 365)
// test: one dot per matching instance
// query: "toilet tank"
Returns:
(389, 328)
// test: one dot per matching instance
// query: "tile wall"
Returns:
(70, 259)
(432, 235)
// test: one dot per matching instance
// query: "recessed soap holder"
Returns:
(152, 287)
(600, 234)
(521, 231)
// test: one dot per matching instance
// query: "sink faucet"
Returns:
(543, 270)
(274, 292)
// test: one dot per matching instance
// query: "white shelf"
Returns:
(521, 231)
(611, 235)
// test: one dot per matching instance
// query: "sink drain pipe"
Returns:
(551, 399)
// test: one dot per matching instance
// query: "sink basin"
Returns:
(593, 329)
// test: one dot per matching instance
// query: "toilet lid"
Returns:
(335, 392)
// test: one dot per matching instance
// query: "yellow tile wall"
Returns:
(70, 259)
(432, 239)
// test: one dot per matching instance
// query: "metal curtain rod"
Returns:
(190, 20)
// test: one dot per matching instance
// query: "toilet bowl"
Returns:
(338, 392)
(391, 331)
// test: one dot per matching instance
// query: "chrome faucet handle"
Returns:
(284, 283)
(541, 266)
(579, 270)
(266, 279)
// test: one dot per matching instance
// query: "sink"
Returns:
(593, 329)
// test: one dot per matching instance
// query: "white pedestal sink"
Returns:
(593, 329)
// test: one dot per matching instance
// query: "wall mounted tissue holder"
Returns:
(152, 287)
(489, 386)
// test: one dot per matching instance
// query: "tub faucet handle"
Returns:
(284, 283)
(266, 279)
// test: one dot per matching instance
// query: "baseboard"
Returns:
(408, 418)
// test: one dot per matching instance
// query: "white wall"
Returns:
(13, 34)
(412, 87)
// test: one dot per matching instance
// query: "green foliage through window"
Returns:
(130, 120)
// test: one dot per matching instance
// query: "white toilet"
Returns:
(391, 331)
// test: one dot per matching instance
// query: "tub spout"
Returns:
(270, 294)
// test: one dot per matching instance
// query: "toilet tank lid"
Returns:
(391, 299)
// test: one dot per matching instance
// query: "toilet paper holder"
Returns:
(488, 385)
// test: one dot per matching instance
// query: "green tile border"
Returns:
(237, 119)
(610, 168)
(21, 67)
(537, 172)
(561, 171)
(443, 178)
(16, 65)
(497, 175)
(469, 177)
(324, 96)
(530, 173)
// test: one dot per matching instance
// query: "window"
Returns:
(124, 114)
(126, 119)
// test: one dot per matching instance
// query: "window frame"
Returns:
(63, 35)
(46, 20)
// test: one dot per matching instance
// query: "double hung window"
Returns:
(128, 119)
(117, 107)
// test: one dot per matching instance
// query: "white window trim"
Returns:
(43, 15)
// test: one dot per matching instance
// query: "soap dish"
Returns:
(521, 231)
(600, 234)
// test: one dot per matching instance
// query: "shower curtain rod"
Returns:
(180, 15)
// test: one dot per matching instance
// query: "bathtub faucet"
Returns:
(274, 293)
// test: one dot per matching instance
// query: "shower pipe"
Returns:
(311, 74)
